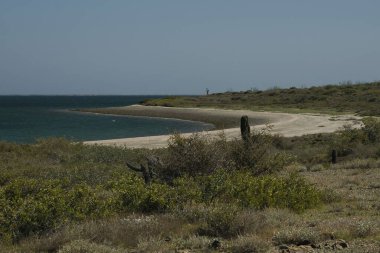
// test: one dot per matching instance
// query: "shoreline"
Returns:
(220, 118)
(84, 111)
(285, 124)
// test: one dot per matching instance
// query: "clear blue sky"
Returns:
(182, 47)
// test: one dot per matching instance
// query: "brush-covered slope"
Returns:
(361, 98)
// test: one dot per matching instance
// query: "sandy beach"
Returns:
(285, 124)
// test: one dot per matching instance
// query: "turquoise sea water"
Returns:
(24, 119)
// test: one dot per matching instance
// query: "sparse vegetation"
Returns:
(263, 193)
(38, 205)
(360, 98)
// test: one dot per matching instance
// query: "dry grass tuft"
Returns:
(249, 244)
(357, 164)
(125, 232)
(84, 246)
(297, 236)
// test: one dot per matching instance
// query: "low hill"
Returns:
(363, 99)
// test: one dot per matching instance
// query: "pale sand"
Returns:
(285, 124)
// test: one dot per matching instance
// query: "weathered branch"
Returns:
(134, 168)
(147, 170)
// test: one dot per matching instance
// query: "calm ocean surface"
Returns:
(24, 119)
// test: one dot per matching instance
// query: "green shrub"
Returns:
(84, 201)
(129, 189)
(59, 159)
(216, 186)
(29, 206)
(371, 129)
(239, 188)
(187, 192)
(53, 183)
(291, 192)
(133, 194)
(159, 198)
(194, 155)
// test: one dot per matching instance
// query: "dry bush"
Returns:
(175, 244)
(252, 222)
(259, 153)
(219, 220)
(360, 245)
(297, 236)
(225, 220)
(349, 227)
(194, 155)
(279, 217)
(193, 212)
(154, 244)
(84, 246)
(248, 244)
(122, 232)
(358, 142)
(357, 164)
(193, 242)
(361, 229)
(202, 154)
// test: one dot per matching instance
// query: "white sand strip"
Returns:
(285, 124)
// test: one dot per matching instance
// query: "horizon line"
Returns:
(134, 95)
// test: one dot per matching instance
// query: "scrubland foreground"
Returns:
(265, 193)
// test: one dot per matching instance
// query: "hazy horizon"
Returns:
(183, 47)
(194, 94)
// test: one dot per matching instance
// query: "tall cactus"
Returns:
(244, 128)
(333, 156)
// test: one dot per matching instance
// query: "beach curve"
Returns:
(285, 124)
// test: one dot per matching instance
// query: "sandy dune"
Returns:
(285, 124)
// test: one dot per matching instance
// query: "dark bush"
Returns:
(194, 155)
(258, 154)
(202, 154)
